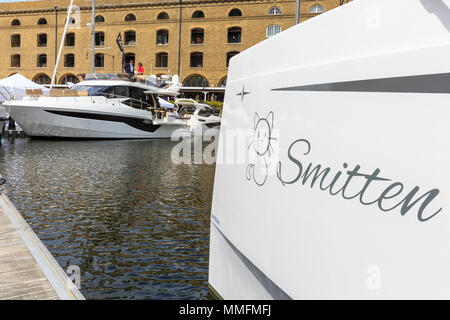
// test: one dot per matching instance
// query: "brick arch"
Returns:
(42, 78)
(65, 78)
(195, 80)
(222, 82)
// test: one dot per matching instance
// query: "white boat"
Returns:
(345, 191)
(198, 116)
(102, 106)
(3, 119)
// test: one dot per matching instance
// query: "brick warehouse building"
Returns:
(194, 39)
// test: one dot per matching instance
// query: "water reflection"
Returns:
(136, 224)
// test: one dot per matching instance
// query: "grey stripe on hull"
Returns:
(428, 83)
(275, 291)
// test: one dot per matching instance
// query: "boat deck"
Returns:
(27, 270)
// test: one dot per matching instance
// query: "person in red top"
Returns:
(140, 69)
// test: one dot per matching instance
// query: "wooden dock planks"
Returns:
(27, 270)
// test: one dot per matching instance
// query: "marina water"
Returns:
(135, 224)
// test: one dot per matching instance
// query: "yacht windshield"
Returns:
(91, 90)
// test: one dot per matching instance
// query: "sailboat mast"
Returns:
(69, 12)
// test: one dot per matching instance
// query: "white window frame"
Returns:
(272, 30)
(274, 11)
(316, 8)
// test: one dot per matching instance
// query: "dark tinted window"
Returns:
(205, 113)
(137, 93)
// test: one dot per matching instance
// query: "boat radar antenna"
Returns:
(69, 12)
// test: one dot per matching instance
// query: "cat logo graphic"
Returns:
(261, 148)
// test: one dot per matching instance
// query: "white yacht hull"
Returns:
(349, 197)
(89, 122)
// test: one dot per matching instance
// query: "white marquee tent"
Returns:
(14, 87)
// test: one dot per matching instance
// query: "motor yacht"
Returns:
(198, 117)
(102, 106)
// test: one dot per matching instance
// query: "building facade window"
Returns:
(317, 8)
(274, 11)
(130, 56)
(235, 13)
(42, 21)
(230, 55)
(15, 22)
(162, 60)
(197, 36)
(99, 19)
(42, 40)
(162, 36)
(234, 35)
(198, 14)
(130, 17)
(196, 81)
(130, 38)
(100, 39)
(15, 61)
(196, 60)
(162, 16)
(15, 41)
(71, 20)
(42, 61)
(70, 40)
(42, 79)
(272, 30)
(99, 60)
(69, 60)
(69, 78)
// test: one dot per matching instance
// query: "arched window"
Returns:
(198, 14)
(15, 22)
(42, 40)
(130, 56)
(100, 39)
(197, 36)
(99, 60)
(235, 13)
(41, 61)
(272, 30)
(234, 35)
(99, 19)
(130, 17)
(317, 8)
(196, 60)
(162, 60)
(42, 21)
(230, 55)
(223, 83)
(69, 78)
(274, 11)
(15, 61)
(130, 38)
(196, 81)
(15, 41)
(42, 78)
(162, 36)
(162, 16)
(70, 40)
(69, 60)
